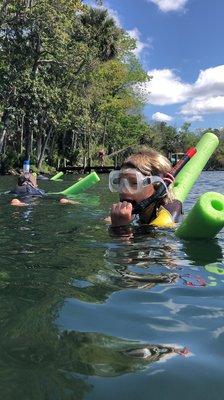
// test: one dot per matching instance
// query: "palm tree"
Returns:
(104, 34)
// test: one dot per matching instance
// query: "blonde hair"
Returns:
(150, 162)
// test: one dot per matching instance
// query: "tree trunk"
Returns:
(75, 141)
(85, 149)
(89, 153)
(2, 139)
(52, 149)
(104, 131)
(5, 121)
(31, 142)
(49, 130)
(21, 136)
(4, 146)
(27, 136)
(89, 143)
(63, 143)
(39, 145)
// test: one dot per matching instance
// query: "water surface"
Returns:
(72, 317)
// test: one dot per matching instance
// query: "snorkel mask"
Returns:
(129, 180)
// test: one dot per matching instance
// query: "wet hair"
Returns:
(29, 179)
(150, 162)
(21, 180)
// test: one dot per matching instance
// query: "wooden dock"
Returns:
(88, 169)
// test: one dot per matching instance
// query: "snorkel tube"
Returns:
(161, 191)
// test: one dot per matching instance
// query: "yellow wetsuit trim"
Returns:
(164, 219)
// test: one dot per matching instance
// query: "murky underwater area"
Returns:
(87, 315)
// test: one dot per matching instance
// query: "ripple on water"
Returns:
(76, 302)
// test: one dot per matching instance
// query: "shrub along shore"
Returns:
(71, 87)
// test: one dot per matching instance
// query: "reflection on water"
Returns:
(53, 366)
(202, 252)
(88, 316)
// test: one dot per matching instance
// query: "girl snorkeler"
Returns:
(138, 180)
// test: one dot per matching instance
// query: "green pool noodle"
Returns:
(205, 219)
(82, 184)
(191, 171)
(57, 176)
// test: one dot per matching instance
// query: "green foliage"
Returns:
(70, 83)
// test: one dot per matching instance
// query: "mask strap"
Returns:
(156, 179)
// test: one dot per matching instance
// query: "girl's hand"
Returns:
(121, 213)
(169, 178)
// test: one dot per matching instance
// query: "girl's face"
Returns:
(133, 189)
(145, 193)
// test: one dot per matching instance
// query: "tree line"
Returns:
(70, 86)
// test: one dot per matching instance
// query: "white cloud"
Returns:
(207, 93)
(210, 82)
(169, 5)
(166, 87)
(140, 46)
(160, 117)
(193, 118)
(203, 105)
(204, 96)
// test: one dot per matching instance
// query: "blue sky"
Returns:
(180, 43)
